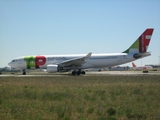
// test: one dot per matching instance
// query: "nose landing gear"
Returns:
(24, 72)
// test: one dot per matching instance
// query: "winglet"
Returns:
(88, 55)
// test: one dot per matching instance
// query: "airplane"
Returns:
(141, 67)
(76, 63)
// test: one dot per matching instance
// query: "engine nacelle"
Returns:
(52, 68)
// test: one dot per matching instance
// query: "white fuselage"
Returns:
(94, 61)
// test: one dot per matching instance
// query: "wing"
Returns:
(75, 61)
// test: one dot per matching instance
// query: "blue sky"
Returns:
(35, 27)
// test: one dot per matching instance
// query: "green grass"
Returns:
(80, 98)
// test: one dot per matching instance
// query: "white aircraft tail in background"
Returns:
(141, 67)
(78, 62)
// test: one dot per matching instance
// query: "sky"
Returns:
(51, 27)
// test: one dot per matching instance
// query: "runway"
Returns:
(89, 73)
(124, 73)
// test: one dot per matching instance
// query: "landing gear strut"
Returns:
(78, 72)
(24, 72)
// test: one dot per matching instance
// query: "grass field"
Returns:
(80, 98)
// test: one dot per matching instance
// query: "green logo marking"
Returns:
(30, 61)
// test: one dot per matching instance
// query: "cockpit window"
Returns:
(13, 60)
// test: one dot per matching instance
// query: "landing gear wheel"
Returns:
(83, 72)
(24, 72)
(78, 72)
(73, 72)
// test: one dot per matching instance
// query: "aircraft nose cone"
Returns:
(10, 64)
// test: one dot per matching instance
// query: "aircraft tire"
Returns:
(73, 72)
(78, 72)
(24, 72)
(83, 72)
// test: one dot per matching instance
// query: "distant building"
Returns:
(119, 68)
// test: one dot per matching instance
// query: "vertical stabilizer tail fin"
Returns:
(133, 65)
(142, 43)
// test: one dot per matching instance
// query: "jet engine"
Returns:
(52, 68)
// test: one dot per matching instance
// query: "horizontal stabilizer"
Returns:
(141, 55)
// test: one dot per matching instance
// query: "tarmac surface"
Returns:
(89, 73)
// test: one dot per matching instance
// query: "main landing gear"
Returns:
(78, 72)
(24, 72)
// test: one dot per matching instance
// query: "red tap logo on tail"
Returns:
(144, 40)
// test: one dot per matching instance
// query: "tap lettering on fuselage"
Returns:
(34, 61)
